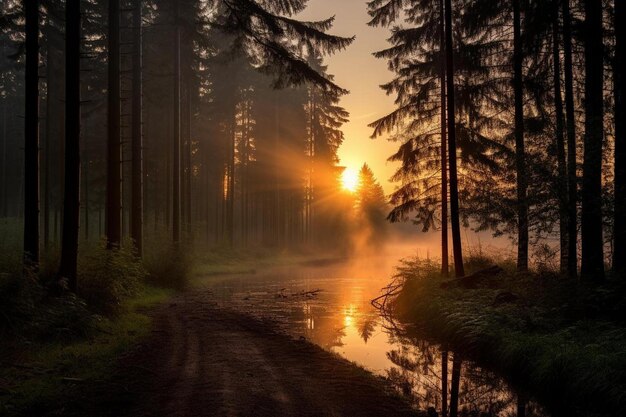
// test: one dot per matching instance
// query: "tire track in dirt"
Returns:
(204, 360)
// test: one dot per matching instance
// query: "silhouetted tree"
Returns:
(137, 132)
(71, 201)
(619, 78)
(592, 267)
(520, 152)
(113, 209)
(572, 179)
(31, 135)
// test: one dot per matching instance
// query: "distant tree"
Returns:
(176, 140)
(71, 201)
(370, 203)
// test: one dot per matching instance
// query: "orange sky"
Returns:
(358, 71)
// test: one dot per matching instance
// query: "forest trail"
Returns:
(205, 360)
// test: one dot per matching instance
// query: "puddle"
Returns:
(330, 306)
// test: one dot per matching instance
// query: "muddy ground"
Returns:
(205, 360)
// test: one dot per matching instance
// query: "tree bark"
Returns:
(619, 227)
(136, 206)
(592, 267)
(31, 136)
(572, 181)
(454, 186)
(520, 151)
(114, 167)
(560, 142)
(71, 202)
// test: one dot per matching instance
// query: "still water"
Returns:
(331, 306)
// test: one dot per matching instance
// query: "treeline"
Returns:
(526, 97)
(169, 118)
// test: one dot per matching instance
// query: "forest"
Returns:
(190, 224)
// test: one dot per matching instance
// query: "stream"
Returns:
(330, 306)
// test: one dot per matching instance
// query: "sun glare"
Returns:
(350, 179)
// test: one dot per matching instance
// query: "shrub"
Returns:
(168, 267)
(29, 311)
(107, 277)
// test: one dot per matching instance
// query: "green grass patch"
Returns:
(44, 378)
(218, 262)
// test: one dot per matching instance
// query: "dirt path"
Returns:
(204, 360)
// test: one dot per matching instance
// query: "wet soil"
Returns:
(203, 359)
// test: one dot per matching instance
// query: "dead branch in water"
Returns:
(312, 293)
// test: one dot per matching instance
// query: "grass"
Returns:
(560, 340)
(43, 378)
(226, 261)
(57, 350)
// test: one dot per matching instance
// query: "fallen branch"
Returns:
(312, 293)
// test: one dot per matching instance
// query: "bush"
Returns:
(168, 267)
(29, 311)
(107, 277)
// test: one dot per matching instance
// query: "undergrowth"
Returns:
(559, 339)
(53, 343)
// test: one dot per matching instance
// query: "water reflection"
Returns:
(331, 307)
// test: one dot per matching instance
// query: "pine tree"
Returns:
(592, 267)
(114, 151)
(31, 135)
(137, 204)
(619, 225)
(71, 201)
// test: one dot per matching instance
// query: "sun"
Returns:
(350, 179)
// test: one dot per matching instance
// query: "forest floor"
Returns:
(202, 359)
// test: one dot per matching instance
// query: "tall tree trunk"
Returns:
(114, 166)
(86, 203)
(572, 181)
(71, 203)
(188, 150)
(4, 190)
(31, 136)
(46, 185)
(136, 205)
(520, 151)
(454, 186)
(560, 141)
(176, 139)
(454, 385)
(444, 148)
(444, 383)
(619, 231)
(592, 267)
